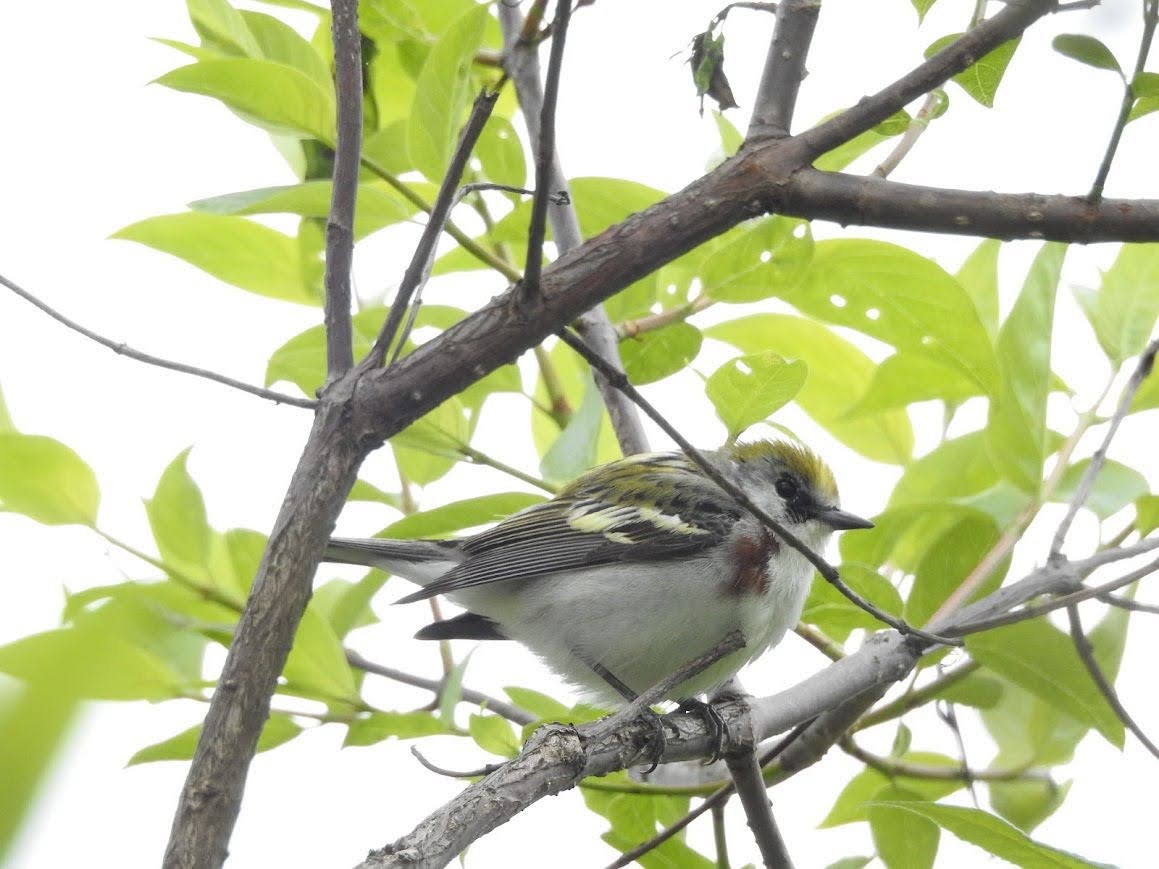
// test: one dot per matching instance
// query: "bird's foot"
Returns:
(656, 741)
(717, 726)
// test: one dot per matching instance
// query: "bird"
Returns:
(635, 568)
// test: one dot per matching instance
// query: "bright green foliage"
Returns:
(853, 332)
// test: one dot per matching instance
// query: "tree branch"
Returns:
(125, 350)
(522, 65)
(896, 768)
(750, 787)
(784, 69)
(344, 190)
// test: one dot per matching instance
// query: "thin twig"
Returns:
(1150, 20)
(477, 457)
(452, 773)
(344, 189)
(1086, 653)
(545, 152)
(918, 125)
(750, 787)
(1125, 603)
(1087, 483)
(827, 646)
(469, 695)
(632, 328)
(419, 269)
(125, 350)
(897, 768)
(915, 698)
(826, 570)
(720, 836)
(784, 69)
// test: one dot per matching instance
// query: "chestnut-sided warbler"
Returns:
(635, 568)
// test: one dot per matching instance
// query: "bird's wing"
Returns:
(663, 508)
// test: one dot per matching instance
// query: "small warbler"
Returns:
(635, 568)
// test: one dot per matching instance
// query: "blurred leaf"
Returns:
(218, 22)
(273, 96)
(443, 520)
(539, 705)
(575, 450)
(758, 261)
(730, 137)
(852, 862)
(852, 803)
(442, 94)
(364, 491)
(836, 615)
(991, 834)
(494, 734)
(378, 726)
(979, 277)
(334, 602)
(902, 535)
(1146, 84)
(428, 448)
(1147, 397)
(922, 7)
(903, 840)
(279, 42)
(177, 516)
(838, 374)
(1143, 106)
(377, 206)
(1147, 514)
(948, 561)
(317, 662)
(982, 78)
(896, 296)
(905, 378)
(749, 389)
(46, 481)
(1042, 659)
(501, 153)
(976, 691)
(1114, 488)
(954, 469)
(652, 356)
(1123, 311)
(1086, 49)
(232, 249)
(1026, 804)
(1016, 427)
(6, 424)
(841, 156)
(278, 729)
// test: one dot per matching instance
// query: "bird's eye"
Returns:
(787, 487)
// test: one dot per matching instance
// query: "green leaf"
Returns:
(1026, 804)
(853, 862)
(575, 450)
(903, 841)
(751, 388)
(1124, 310)
(980, 80)
(494, 734)
(730, 137)
(836, 615)
(377, 206)
(992, 834)
(1016, 428)
(442, 93)
(177, 516)
(1143, 106)
(948, 561)
(46, 481)
(278, 729)
(317, 662)
(1041, 659)
(976, 691)
(429, 448)
(126, 671)
(905, 378)
(279, 42)
(364, 491)
(1146, 84)
(216, 21)
(273, 96)
(956, 468)
(1086, 49)
(896, 296)
(335, 602)
(1147, 397)
(755, 262)
(852, 803)
(232, 249)
(378, 726)
(501, 154)
(839, 373)
(979, 277)
(6, 424)
(539, 705)
(1114, 488)
(1147, 514)
(922, 7)
(468, 513)
(841, 156)
(652, 356)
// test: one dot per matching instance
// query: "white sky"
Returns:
(89, 147)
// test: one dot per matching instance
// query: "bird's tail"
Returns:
(420, 561)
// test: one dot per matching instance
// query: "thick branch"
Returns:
(340, 224)
(750, 787)
(784, 69)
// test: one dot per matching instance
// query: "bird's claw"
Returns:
(717, 726)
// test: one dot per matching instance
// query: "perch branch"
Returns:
(784, 69)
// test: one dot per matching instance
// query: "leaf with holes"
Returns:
(652, 356)
(838, 374)
(759, 261)
(749, 389)
(899, 297)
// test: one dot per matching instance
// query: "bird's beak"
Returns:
(839, 520)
